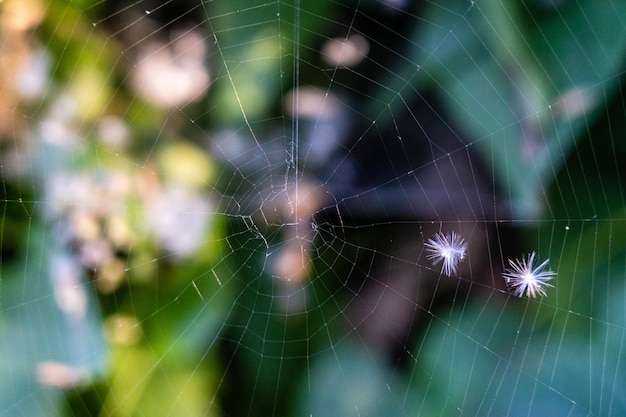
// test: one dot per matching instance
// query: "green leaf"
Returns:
(522, 85)
(348, 381)
(50, 332)
(492, 361)
(145, 384)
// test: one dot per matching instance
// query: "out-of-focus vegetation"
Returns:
(151, 260)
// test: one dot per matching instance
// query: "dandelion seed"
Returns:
(449, 249)
(523, 278)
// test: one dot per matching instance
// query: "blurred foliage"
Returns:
(525, 80)
(127, 289)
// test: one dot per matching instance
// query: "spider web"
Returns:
(217, 208)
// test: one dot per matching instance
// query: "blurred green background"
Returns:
(158, 259)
